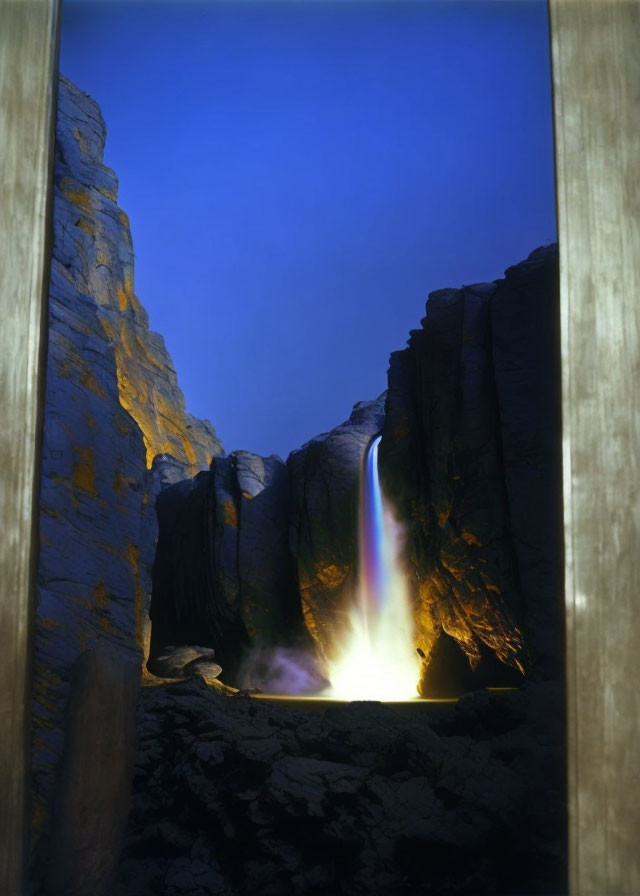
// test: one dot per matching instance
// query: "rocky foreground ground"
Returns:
(233, 795)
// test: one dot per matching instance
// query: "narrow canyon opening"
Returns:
(413, 550)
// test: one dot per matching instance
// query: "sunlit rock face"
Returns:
(224, 574)
(470, 452)
(112, 405)
(325, 482)
(95, 251)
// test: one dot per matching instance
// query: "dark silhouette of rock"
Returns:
(186, 662)
(237, 796)
(526, 363)
(224, 573)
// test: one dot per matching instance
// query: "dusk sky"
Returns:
(300, 175)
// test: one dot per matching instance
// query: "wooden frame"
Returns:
(596, 77)
(28, 65)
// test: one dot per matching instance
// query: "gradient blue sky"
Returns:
(299, 175)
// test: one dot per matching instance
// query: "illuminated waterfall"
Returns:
(378, 660)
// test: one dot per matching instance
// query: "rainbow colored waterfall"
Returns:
(374, 546)
(377, 660)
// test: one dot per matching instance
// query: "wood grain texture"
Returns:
(596, 75)
(28, 40)
(94, 788)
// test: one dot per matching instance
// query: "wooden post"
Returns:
(28, 60)
(94, 788)
(596, 79)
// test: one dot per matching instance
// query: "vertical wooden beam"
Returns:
(28, 58)
(596, 79)
(94, 787)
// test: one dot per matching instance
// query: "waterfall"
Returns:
(377, 660)
(372, 538)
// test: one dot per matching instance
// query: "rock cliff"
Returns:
(113, 415)
(324, 476)
(223, 574)
(470, 459)
(471, 454)
(259, 554)
(257, 558)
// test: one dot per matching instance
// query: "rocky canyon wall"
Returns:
(470, 458)
(116, 430)
(257, 553)
(471, 454)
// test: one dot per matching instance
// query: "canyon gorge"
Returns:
(153, 538)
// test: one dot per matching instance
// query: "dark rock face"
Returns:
(471, 455)
(250, 548)
(223, 574)
(526, 362)
(234, 796)
(470, 458)
(112, 404)
(324, 476)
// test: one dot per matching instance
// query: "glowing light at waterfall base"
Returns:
(377, 659)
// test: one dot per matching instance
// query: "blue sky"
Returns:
(299, 175)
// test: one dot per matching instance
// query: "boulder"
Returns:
(185, 662)
(248, 797)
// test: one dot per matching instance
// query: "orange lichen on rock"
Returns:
(331, 576)
(103, 260)
(88, 380)
(50, 624)
(77, 195)
(148, 392)
(101, 595)
(443, 516)
(86, 225)
(83, 475)
(81, 140)
(147, 385)
(123, 299)
(132, 554)
(310, 621)
(427, 629)
(119, 483)
(230, 514)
